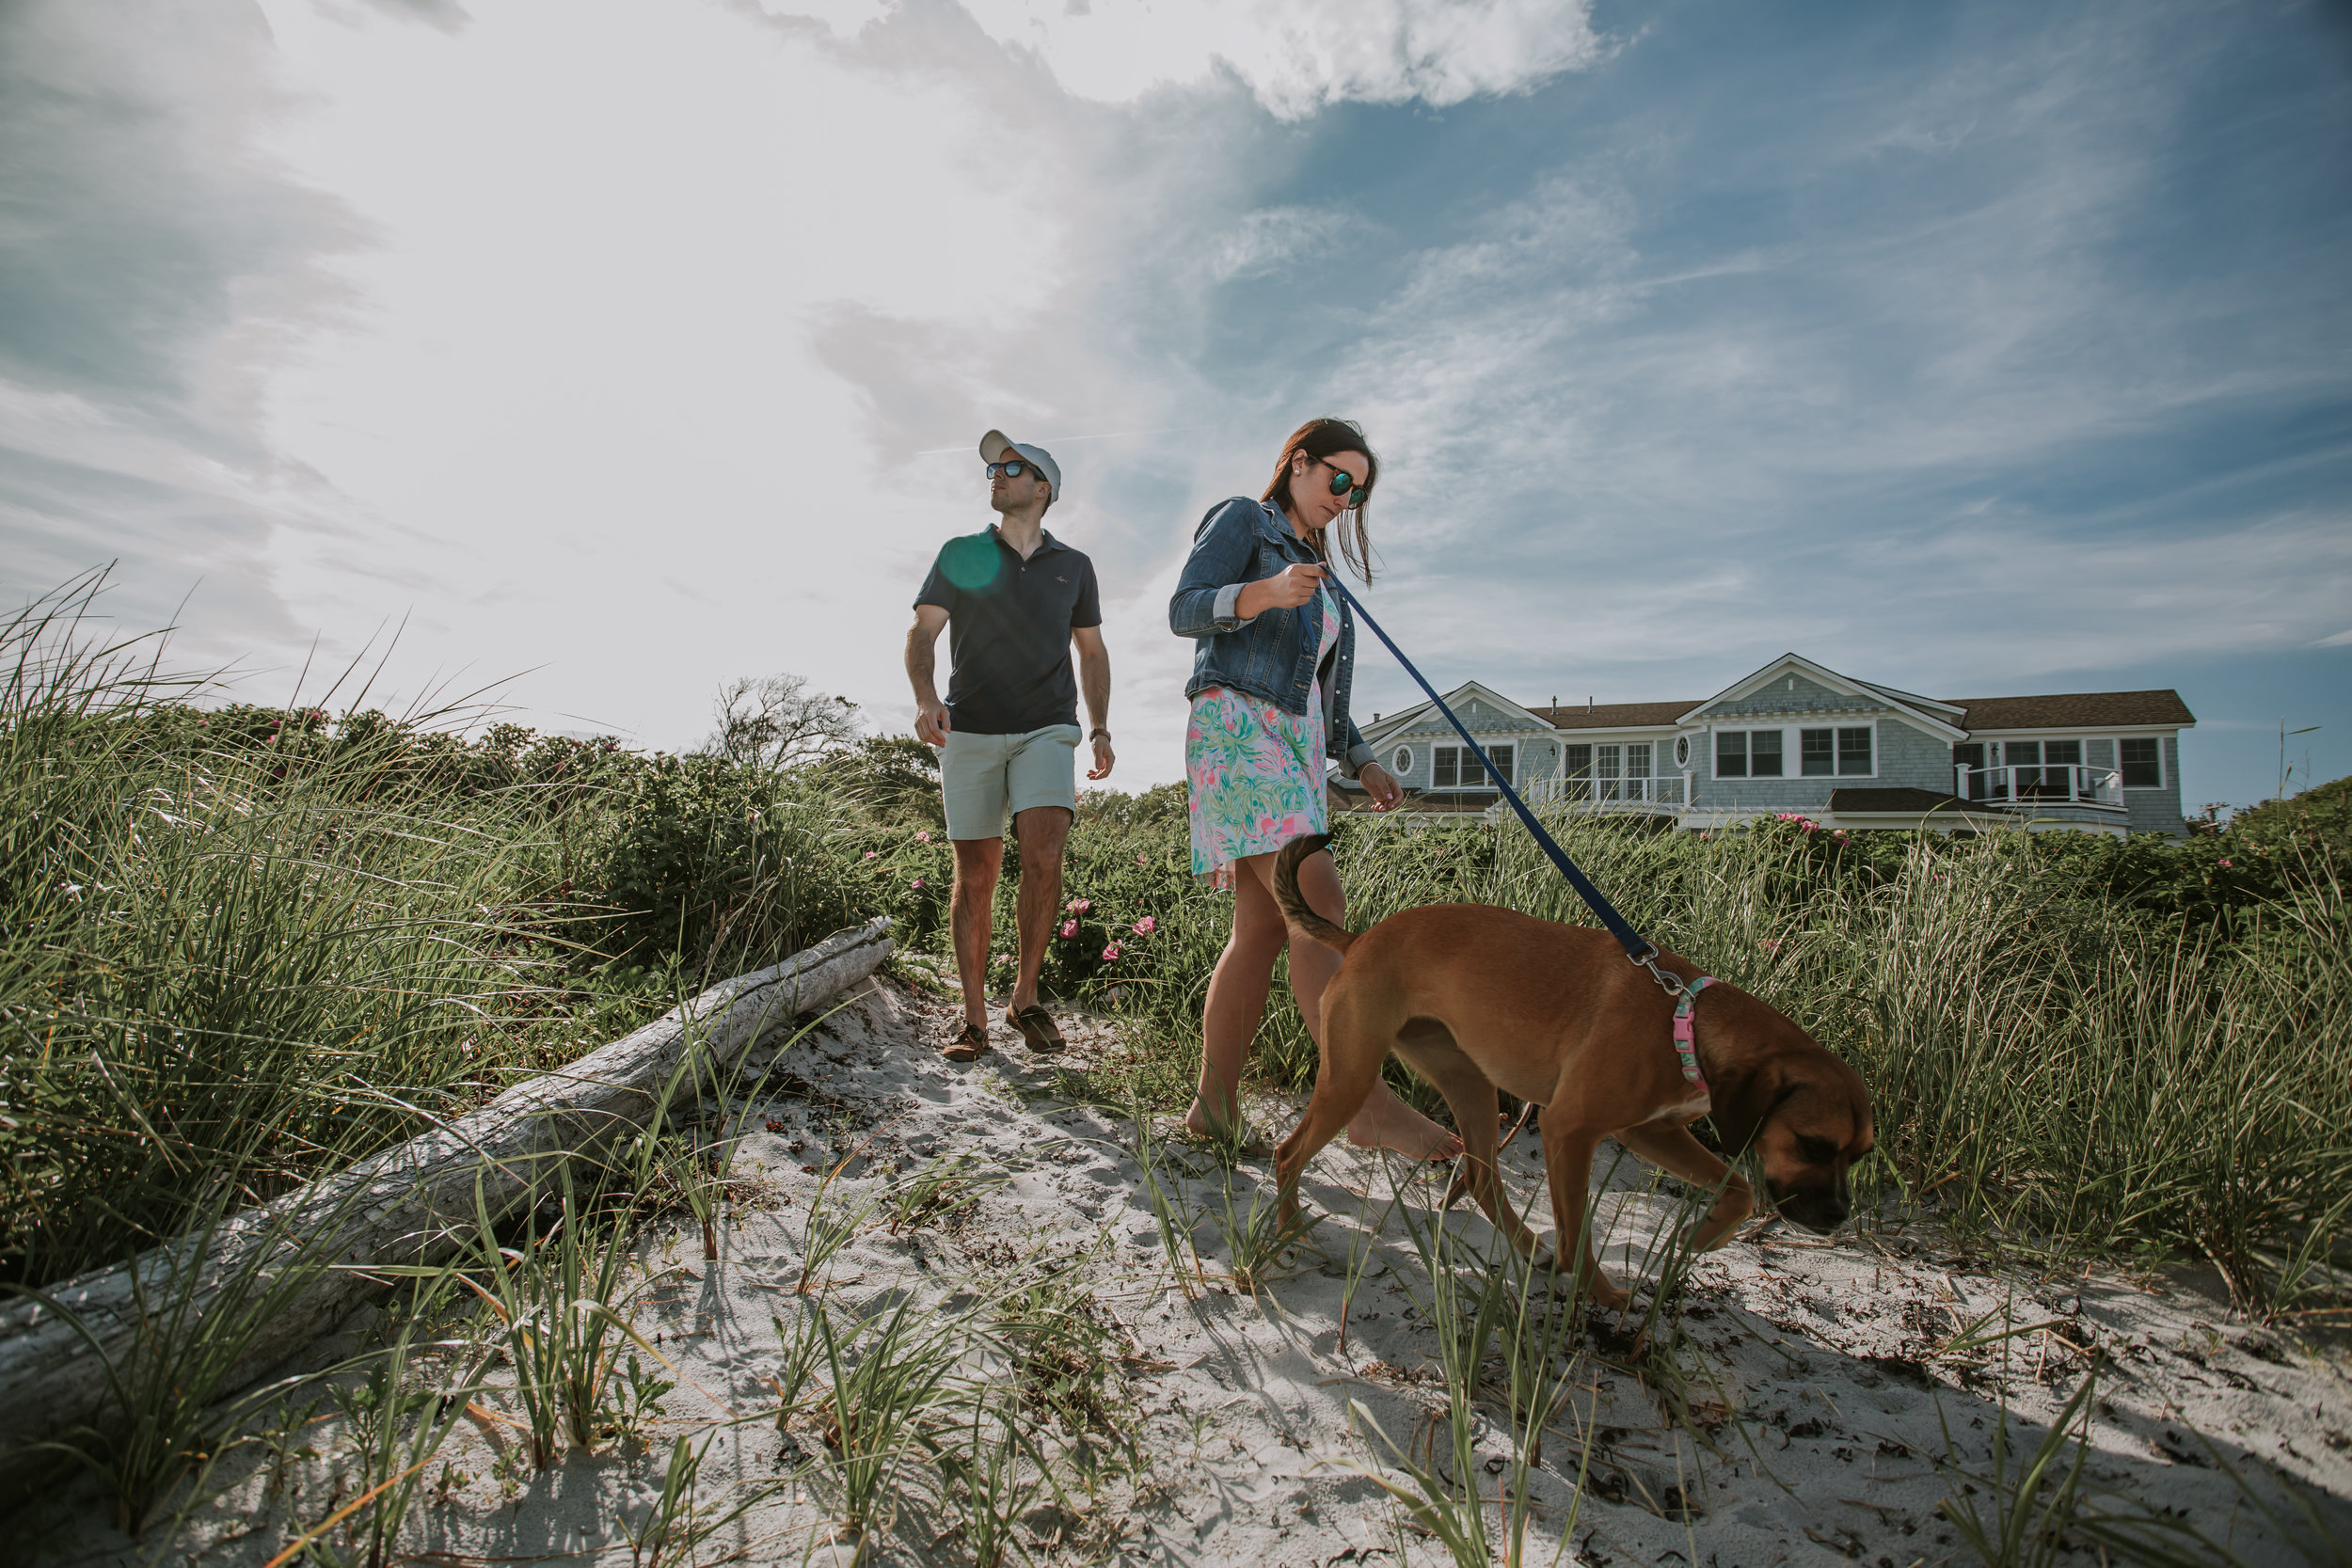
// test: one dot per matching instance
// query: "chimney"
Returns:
(1588, 704)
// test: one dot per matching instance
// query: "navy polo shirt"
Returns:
(1009, 626)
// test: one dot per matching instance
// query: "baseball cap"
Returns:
(994, 445)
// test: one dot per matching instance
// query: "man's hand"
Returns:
(931, 723)
(1384, 790)
(1102, 758)
(1287, 589)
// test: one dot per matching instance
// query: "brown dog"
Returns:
(1476, 998)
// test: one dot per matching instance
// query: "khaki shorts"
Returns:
(985, 776)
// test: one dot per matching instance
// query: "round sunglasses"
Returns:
(1013, 469)
(1343, 483)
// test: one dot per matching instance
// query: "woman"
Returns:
(1269, 693)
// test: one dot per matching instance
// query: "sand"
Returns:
(1820, 1386)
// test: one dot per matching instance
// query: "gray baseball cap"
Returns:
(995, 444)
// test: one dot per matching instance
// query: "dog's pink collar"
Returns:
(1686, 1040)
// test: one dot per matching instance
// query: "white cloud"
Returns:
(1299, 55)
(1268, 240)
(2341, 639)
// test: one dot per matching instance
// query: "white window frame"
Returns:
(1466, 760)
(1870, 724)
(1715, 756)
(2163, 771)
(1791, 751)
(1401, 762)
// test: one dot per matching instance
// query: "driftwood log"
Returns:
(397, 1207)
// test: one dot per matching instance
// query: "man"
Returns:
(1013, 599)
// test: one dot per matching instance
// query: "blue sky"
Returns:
(621, 347)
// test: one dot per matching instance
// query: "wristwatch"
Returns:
(1098, 732)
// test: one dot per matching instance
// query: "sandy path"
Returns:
(1218, 1425)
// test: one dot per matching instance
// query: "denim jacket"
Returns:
(1273, 655)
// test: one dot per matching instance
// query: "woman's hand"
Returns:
(1384, 790)
(1287, 589)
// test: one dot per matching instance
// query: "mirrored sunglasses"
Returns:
(1013, 469)
(1343, 483)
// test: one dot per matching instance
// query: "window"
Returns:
(2144, 762)
(1622, 772)
(1819, 752)
(2025, 757)
(1682, 750)
(1853, 751)
(1456, 767)
(1747, 754)
(1576, 768)
(1403, 761)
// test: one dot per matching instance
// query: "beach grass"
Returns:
(241, 947)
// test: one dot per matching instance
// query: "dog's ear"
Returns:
(1742, 1101)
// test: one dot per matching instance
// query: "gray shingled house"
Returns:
(1796, 737)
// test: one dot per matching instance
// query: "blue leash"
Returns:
(1638, 948)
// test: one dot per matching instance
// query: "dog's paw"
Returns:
(1731, 1211)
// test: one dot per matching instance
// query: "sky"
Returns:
(588, 354)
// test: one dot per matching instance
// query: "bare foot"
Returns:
(1388, 1122)
(1237, 1134)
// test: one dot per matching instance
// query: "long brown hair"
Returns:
(1325, 438)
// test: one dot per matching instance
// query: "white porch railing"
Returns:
(1588, 794)
(2048, 783)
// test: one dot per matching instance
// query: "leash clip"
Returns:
(1671, 984)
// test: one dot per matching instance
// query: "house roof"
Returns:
(2072, 710)
(1614, 716)
(1914, 709)
(1894, 799)
(1404, 720)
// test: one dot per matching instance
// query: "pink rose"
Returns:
(923, 837)
(1145, 926)
(1143, 860)
(2225, 864)
(1069, 930)
(869, 854)
(918, 882)
(1080, 905)
(1110, 953)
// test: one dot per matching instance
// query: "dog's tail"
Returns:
(1303, 921)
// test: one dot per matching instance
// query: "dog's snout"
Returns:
(1818, 1210)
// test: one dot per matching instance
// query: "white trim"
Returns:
(2061, 732)
(1402, 760)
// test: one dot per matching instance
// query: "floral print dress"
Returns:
(1256, 771)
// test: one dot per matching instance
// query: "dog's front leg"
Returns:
(1568, 1164)
(1670, 1147)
